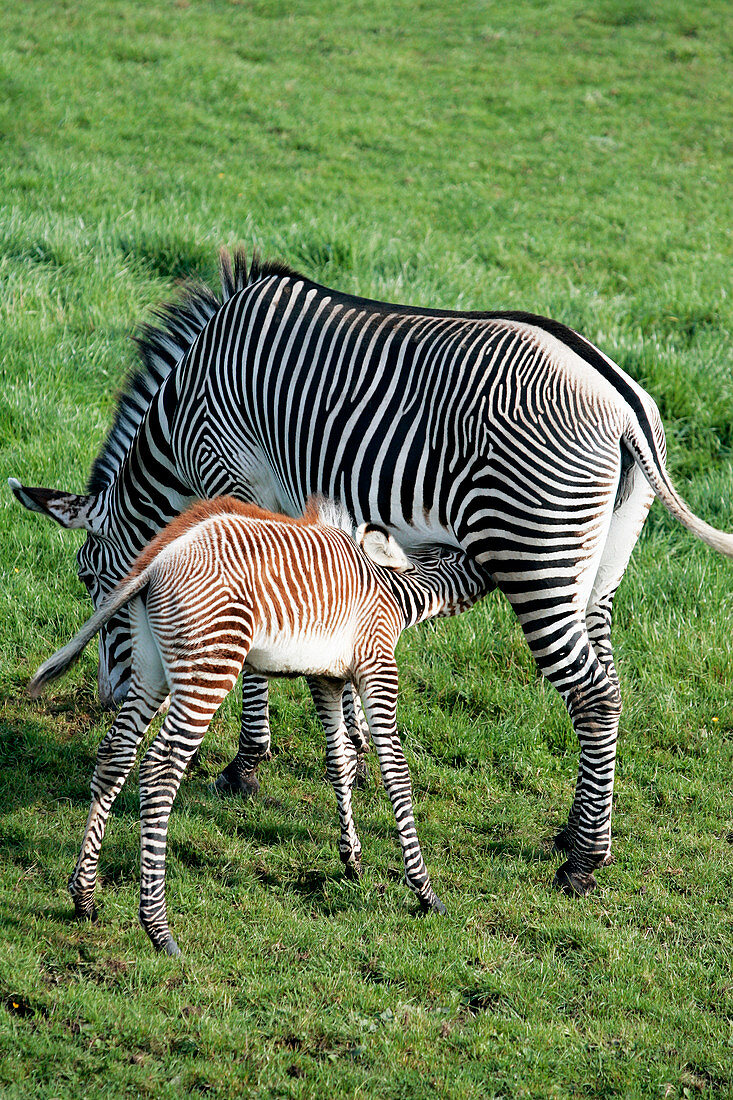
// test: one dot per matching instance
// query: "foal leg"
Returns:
(378, 690)
(191, 710)
(240, 776)
(341, 763)
(356, 723)
(115, 757)
(356, 726)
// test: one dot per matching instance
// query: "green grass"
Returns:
(561, 157)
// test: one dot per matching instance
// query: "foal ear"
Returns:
(380, 547)
(68, 509)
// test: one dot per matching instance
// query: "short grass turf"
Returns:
(561, 157)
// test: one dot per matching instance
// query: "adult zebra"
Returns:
(505, 434)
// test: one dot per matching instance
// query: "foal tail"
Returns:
(65, 657)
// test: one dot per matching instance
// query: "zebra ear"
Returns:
(381, 548)
(68, 509)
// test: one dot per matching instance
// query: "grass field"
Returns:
(566, 158)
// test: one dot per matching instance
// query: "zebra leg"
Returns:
(240, 776)
(341, 764)
(356, 727)
(115, 757)
(594, 703)
(378, 690)
(356, 723)
(358, 731)
(598, 624)
(633, 501)
(161, 772)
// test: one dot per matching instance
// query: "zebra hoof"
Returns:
(86, 912)
(359, 740)
(432, 905)
(573, 884)
(84, 907)
(352, 868)
(231, 784)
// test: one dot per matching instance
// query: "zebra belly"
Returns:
(304, 654)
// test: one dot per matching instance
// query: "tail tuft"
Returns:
(51, 669)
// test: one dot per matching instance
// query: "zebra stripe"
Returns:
(504, 434)
(228, 585)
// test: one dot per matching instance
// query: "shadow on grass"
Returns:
(168, 255)
(38, 766)
(517, 849)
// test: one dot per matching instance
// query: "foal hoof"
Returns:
(236, 785)
(359, 740)
(572, 883)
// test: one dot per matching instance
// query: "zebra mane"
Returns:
(162, 343)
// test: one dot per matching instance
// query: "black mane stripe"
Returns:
(162, 343)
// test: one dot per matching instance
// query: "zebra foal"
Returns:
(228, 585)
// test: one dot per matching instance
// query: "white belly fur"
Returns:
(311, 654)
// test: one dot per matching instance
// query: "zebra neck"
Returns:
(150, 488)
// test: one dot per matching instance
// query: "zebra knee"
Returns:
(596, 703)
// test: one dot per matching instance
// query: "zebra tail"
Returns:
(651, 462)
(65, 657)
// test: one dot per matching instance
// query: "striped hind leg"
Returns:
(625, 527)
(115, 757)
(564, 654)
(358, 731)
(240, 775)
(117, 751)
(196, 696)
(341, 763)
(377, 686)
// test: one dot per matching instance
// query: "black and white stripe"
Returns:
(505, 434)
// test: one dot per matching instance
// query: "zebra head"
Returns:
(101, 564)
(432, 581)
(448, 578)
